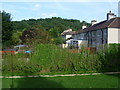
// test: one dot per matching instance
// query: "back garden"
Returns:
(48, 59)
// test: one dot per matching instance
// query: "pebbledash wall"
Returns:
(113, 35)
(68, 36)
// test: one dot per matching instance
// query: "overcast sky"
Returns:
(83, 11)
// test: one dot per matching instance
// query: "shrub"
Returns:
(50, 58)
(109, 57)
(18, 64)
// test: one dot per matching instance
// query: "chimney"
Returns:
(84, 26)
(93, 22)
(69, 29)
(110, 15)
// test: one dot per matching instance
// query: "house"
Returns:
(67, 36)
(79, 38)
(105, 32)
(98, 34)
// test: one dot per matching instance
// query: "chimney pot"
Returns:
(93, 22)
(84, 26)
(110, 15)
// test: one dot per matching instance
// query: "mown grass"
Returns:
(92, 81)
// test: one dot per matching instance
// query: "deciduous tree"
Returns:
(7, 28)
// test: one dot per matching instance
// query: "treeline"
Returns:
(52, 27)
(49, 23)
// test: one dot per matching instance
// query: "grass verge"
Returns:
(91, 81)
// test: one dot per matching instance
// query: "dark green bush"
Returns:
(18, 64)
(50, 58)
(109, 57)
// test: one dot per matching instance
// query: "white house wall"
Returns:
(119, 35)
(113, 35)
(68, 36)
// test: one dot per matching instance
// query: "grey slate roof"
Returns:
(112, 23)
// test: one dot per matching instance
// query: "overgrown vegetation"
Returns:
(50, 58)
(109, 57)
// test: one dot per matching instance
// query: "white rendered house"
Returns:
(67, 36)
(99, 34)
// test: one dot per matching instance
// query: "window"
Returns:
(93, 33)
(105, 36)
(99, 33)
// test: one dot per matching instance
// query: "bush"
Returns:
(18, 64)
(109, 57)
(50, 58)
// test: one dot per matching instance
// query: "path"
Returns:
(60, 75)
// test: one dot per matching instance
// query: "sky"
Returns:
(83, 11)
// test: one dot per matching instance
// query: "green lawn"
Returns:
(92, 81)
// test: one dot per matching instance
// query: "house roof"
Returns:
(115, 23)
(78, 31)
(112, 23)
(68, 33)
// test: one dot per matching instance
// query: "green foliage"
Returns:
(109, 57)
(47, 55)
(20, 25)
(37, 35)
(54, 32)
(50, 58)
(56, 59)
(58, 40)
(54, 26)
(16, 37)
(7, 28)
(18, 64)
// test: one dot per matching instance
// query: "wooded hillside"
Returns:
(51, 28)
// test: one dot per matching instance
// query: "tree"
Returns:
(7, 28)
(54, 32)
(58, 40)
(20, 25)
(35, 35)
(16, 37)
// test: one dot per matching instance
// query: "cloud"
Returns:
(36, 7)
(48, 15)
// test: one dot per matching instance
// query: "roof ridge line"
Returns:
(112, 21)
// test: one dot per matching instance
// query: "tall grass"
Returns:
(50, 58)
(18, 64)
(109, 57)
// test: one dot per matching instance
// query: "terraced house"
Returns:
(98, 34)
